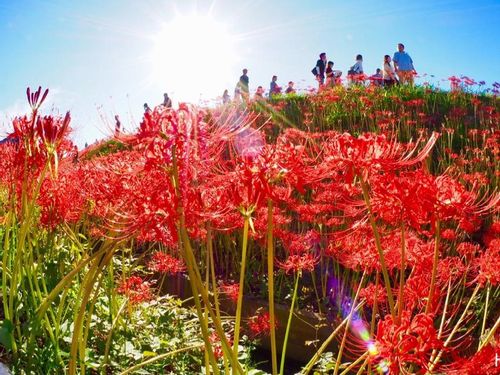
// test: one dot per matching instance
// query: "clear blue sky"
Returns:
(105, 57)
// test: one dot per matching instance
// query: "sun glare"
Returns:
(193, 58)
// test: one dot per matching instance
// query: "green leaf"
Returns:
(149, 354)
(6, 334)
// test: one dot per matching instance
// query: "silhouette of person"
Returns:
(243, 84)
(290, 89)
(167, 102)
(274, 88)
(225, 97)
(320, 68)
(146, 108)
(118, 125)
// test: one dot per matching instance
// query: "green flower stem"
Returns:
(325, 344)
(158, 358)
(490, 333)
(434, 362)
(270, 286)
(483, 326)
(376, 234)
(241, 285)
(197, 286)
(402, 274)
(434, 267)
(288, 325)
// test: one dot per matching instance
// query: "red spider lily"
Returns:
(369, 153)
(61, 200)
(299, 263)
(135, 289)
(52, 130)
(491, 233)
(373, 294)
(217, 346)
(467, 249)
(484, 362)
(34, 96)
(489, 264)
(410, 343)
(231, 290)
(449, 234)
(260, 325)
(165, 263)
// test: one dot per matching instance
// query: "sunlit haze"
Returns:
(194, 56)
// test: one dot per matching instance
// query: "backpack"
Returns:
(315, 71)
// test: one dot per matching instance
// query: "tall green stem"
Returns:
(378, 244)
(434, 267)
(270, 286)
(241, 285)
(402, 274)
(289, 324)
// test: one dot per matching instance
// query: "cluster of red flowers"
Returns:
(260, 325)
(165, 263)
(354, 199)
(135, 289)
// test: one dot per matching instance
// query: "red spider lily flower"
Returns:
(34, 96)
(165, 263)
(369, 153)
(217, 346)
(489, 264)
(135, 289)
(231, 290)
(52, 130)
(450, 269)
(373, 294)
(260, 325)
(486, 360)
(467, 249)
(410, 343)
(449, 234)
(299, 263)
(491, 233)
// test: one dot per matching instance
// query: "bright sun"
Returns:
(193, 57)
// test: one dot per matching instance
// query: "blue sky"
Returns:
(101, 58)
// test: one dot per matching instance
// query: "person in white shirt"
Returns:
(389, 74)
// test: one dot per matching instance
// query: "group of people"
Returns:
(402, 72)
(398, 70)
(242, 91)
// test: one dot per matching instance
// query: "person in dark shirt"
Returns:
(167, 102)
(290, 89)
(274, 88)
(118, 125)
(243, 84)
(320, 68)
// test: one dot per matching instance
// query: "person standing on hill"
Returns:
(274, 89)
(389, 74)
(243, 84)
(225, 97)
(290, 89)
(320, 68)
(403, 65)
(356, 73)
(167, 102)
